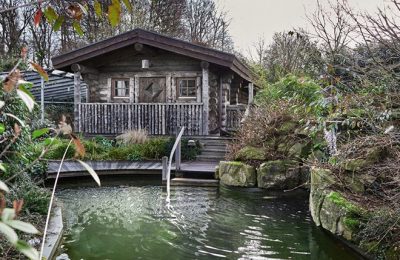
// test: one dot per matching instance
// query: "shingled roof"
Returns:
(228, 60)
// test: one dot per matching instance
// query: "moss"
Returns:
(339, 200)
(354, 164)
(250, 153)
(352, 223)
(236, 163)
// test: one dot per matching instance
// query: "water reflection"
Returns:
(134, 222)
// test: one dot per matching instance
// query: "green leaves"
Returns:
(27, 250)
(9, 233)
(23, 226)
(91, 171)
(39, 133)
(7, 226)
(2, 128)
(50, 14)
(57, 24)
(4, 187)
(114, 12)
(97, 9)
(77, 28)
(29, 102)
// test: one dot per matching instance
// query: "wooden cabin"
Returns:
(141, 79)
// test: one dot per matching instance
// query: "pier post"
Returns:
(164, 168)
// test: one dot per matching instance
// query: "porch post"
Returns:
(205, 95)
(225, 87)
(251, 93)
(77, 95)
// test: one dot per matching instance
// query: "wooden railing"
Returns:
(234, 114)
(156, 118)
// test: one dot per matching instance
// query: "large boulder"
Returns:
(237, 174)
(331, 210)
(279, 175)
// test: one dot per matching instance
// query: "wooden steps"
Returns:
(194, 182)
(213, 148)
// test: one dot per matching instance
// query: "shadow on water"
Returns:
(121, 221)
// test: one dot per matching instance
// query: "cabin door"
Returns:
(152, 90)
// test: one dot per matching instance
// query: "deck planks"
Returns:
(75, 169)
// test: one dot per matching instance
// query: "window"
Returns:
(187, 87)
(120, 88)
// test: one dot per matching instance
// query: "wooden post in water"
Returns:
(164, 168)
(178, 154)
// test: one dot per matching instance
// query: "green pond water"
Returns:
(135, 222)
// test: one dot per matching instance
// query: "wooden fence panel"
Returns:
(156, 118)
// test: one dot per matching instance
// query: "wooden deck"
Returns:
(75, 169)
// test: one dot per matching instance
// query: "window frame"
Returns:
(113, 88)
(178, 90)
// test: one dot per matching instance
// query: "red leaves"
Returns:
(79, 148)
(74, 11)
(17, 205)
(40, 70)
(11, 80)
(38, 17)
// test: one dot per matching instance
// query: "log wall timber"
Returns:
(225, 88)
(234, 114)
(251, 93)
(205, 96)
(156, 118)
(100, 86)
(213, 114)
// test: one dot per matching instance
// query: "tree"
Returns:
(378, 55)
(206, 25)
(292, 53)
(12, 27)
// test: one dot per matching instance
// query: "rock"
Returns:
(237, 174)
(216, 173)
(250, 153)
(329, 209)
(321, 179)
(296, 150)
(279, 175)
(63, 257)
(300, 151)
(354, 165)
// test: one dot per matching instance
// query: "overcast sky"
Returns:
(251, 19)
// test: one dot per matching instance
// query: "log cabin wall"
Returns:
(129, 66)
(168, 66)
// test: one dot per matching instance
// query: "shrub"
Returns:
(301, 92)
(155, 148)
(36, 199)
(57, 150)
(133, 137)
(103, 141)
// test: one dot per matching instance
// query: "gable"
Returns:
(107, 47)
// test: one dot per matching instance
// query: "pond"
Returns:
(134, 222)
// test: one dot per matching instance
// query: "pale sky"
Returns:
(252, 19)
